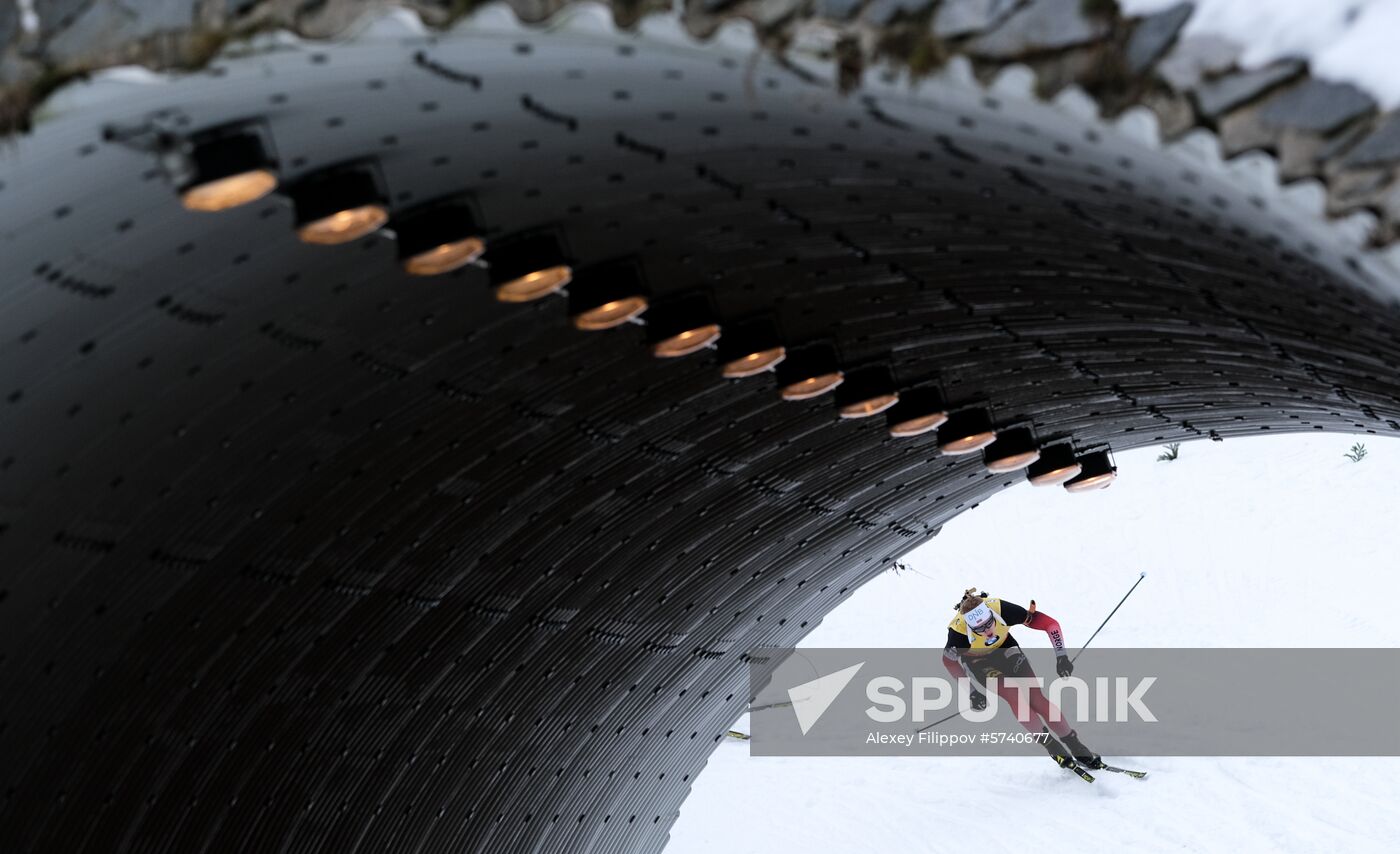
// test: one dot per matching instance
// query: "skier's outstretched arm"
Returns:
(1048, 624)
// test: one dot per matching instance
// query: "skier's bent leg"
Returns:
(1039, 707)
(1042, 709)
(1063, 731)
(1051, 713)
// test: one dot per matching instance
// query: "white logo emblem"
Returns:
(810, 700)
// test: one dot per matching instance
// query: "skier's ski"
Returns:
(782, 705)
(1137, 775)
(742, 736)
(1070, 765)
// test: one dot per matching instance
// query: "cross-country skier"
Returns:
(980, 645)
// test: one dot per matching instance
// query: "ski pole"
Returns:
(937, 722)
(1141, 576)
(940, 720)
(776, 705)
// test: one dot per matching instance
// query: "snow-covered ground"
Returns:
(1278, 526)
(1348, 40)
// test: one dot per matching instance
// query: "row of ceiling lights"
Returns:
(230, 166)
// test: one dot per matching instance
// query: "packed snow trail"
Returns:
(1273, 528)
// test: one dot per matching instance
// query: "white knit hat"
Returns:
(979, 615)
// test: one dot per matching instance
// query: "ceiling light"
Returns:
(223, 168)
(809, 372)
(607, 294)
(338, 205)
(1098, 473)
(966, 432)
(681, 325)
(918, 411)
(1013, 450)
(750, 347)
(1056, 465)
(438, 238)
(528, 267)
(867, 391)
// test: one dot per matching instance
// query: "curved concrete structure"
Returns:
(301, 553)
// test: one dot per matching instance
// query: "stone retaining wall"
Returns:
(1315, 129)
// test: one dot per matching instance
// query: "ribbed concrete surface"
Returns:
(298, 553)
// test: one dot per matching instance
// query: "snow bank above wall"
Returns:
(1352, 42)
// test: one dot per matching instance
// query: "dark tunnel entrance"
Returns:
(303, 552)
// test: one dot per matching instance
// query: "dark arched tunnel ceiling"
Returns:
(301, 553)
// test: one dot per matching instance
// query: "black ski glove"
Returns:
(1064, 666)
(977, 700)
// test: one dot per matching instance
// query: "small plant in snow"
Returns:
(1356, 453)
(1172, 452)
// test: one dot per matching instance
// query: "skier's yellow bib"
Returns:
(980, 644)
